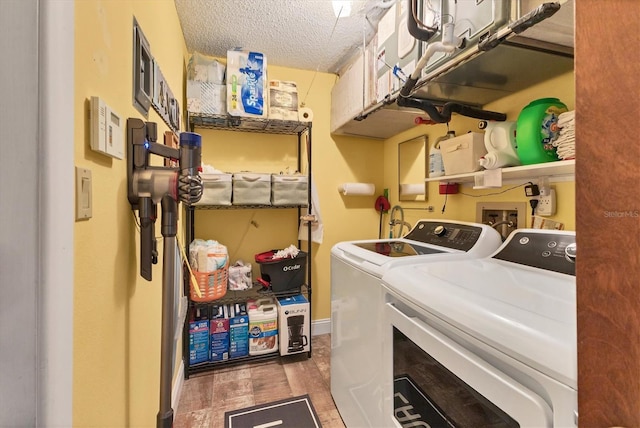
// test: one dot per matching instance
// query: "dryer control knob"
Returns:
(570, 252)
(440, 230)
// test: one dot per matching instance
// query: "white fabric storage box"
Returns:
(251, 188)
(288, 190)
(460, 154)
(216, 189)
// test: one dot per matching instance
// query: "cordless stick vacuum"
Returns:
(148, 186)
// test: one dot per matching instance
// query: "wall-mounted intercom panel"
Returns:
(107, 132)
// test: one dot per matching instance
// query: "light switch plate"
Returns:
(83, 194)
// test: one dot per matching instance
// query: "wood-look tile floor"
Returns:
(206, 397)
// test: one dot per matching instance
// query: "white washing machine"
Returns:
(487, 342)
(357, 305)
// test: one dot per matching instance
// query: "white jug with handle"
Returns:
(500, 137)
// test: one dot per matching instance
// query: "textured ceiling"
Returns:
(303, 34)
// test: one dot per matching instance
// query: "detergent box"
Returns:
(238, 330)
(293, 319)
(199, 337)
(219, 330)
(247, 84)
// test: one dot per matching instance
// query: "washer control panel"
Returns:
(544, 250)
(445, 234)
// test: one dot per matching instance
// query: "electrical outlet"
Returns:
(547, 204)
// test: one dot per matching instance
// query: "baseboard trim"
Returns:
(319, 327)
(176, 390)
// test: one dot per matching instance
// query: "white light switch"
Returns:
(83, 193)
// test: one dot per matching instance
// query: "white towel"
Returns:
(566, 140)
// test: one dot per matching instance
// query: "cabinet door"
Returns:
(607, 213)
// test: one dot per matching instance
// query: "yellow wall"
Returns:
(460, 207)
(116, 312)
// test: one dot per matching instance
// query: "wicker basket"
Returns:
(213, 285)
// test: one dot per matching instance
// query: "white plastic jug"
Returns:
(493, 160)
(263, 329)
(500, 137)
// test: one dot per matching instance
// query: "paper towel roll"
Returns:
(412, 189)
(305, 114)
(354, 189)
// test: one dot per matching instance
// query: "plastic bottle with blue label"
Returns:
(263, 327)
(436, 165)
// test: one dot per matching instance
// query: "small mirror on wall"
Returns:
(412, 169)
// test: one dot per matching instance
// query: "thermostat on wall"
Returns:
(106, 129)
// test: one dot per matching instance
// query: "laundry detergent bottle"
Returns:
(536, 129)
(436, 165)
(500, 142)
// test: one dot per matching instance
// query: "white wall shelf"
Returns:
(555, 171)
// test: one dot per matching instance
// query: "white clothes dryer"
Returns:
(357, 305)
(487, 342)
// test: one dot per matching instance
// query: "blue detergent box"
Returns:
(198, 341)
(238, 331)
(219, 330)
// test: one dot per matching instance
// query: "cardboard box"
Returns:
(238, 331)
(198, 341)
(460, 155)
(219, 330)
(294, 322)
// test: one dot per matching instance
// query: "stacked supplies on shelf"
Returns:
(210, 263)
(206, 89)
(283, 100)
(565, 144)
(218, 333)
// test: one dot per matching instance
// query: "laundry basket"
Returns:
(212, 285)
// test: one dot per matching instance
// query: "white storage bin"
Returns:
(216, 189)
(251, 188)
(288, 190)
(460, 154)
